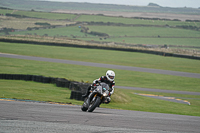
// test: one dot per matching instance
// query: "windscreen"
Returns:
(105, 86)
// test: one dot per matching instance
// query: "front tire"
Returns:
(94, 104)
(84, 107)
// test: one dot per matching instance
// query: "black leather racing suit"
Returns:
(104, 79)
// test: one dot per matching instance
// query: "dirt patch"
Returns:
(181, 17)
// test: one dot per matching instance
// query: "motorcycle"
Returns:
(100, 94)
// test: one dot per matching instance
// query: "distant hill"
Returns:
(153, 4)
(48, 6)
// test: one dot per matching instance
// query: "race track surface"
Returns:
(44, 117)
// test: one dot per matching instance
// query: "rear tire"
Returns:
(95, 104)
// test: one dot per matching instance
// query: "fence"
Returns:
(77, 88)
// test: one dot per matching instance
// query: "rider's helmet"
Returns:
(110, 75)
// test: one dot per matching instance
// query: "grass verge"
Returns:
(86, 73)
(121, 99)
(103, 56)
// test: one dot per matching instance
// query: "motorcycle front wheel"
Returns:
(83, 107)
(94, 104)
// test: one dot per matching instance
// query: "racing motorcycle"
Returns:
(100, 94)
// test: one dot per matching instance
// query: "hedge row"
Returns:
(16, 15)
(78, 89)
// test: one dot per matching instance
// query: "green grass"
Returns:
(24, 23)
(105, 19)
(45, 15)
(4, 11)
(132, 35)
(149, 41)
(86, 73)
(103, 56)
(121, 99)
(63, 31)
(117, 31)
(34, 91)
(127, 99)
(144, 31)
(97, 18)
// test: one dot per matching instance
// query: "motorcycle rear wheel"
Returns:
(94, 104)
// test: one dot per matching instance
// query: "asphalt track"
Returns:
(109, 66)
(32, 117)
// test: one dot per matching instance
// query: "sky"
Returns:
(163, 3)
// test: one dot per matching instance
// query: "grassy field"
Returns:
(148, 41)
(131, 35)
(24, 23)
(141, 31)
(120, 34)
(4, 11)
(84, 73)
(96, 18)
(121, 99)
(63, 31)
(105, 19)
(46, 15)
(118, 31)
(115, 57)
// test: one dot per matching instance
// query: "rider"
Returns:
(108, 79)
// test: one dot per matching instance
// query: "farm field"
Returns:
(62, 31)
(24, 23)
(128, 33)
(117, 31)
(131, 41)
(141, 31)
(46, 15)
(144, 31)
(106, 19)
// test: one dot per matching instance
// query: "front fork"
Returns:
(89, 99)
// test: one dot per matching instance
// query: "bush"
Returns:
(98, 33)
(16, 16)
(43, 24)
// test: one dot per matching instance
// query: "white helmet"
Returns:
(110, 75)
